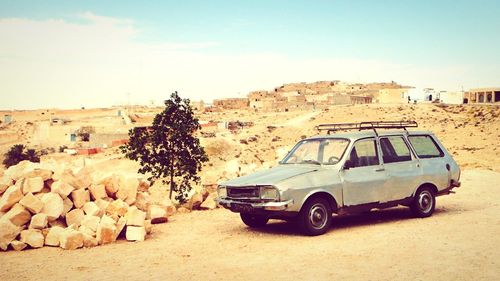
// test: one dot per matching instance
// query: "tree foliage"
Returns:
(168, 149)
(18, 153)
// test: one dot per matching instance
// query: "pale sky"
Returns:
(69, 54)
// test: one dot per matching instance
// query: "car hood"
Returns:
(272, 176)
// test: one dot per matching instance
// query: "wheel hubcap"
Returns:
(425, 201)
(318, 216)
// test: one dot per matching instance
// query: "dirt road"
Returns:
(460, 242)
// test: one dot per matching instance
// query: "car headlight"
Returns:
(269, 193)
(222, 191)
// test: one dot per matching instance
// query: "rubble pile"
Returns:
(53, 206)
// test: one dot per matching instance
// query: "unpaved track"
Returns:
(460, 242)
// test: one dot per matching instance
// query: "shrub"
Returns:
(18, 153)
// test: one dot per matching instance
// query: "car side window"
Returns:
(394, 149)
(425, 146)
(364, 153)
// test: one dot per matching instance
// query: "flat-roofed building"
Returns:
(482, 95)
(232, 103)
(451, 97)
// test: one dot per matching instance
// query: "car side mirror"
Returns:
(348, 164)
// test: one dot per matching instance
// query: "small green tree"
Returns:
(18, 153)
(168, 149)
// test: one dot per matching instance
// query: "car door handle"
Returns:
(379, 170)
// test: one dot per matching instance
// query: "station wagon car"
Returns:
(369, 165)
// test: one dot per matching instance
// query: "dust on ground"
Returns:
(459, 242)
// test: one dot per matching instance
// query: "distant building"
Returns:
(482, 95)
(451, 97)
(231, 103)
(348, 99)
(391, 96)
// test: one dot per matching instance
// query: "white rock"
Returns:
(89, 241)
(32, 203)
(142, 201)
(53, 205)
(38, 221)
(62, 188)
(106, 231)
(135, 217)
(195, 201)
(53, 236)
(18, 171)
(85, 230)
(98, 191)
(71, 239)
(209, 203)
(33, 185)
(11, 196)
(33, 237)
(45, 174)
(102, 204)
(127, 190)
(84, 178)
(117, 207)
(111, 184)
(18, 245)
(8, 232)
(91, 208)
(67, 206)
(59, 222)
(18, 215)
(80, 197)
(75, 217)
(135, 233)
(5, 182)
(157, 214)
(120, 225)
(91, 222)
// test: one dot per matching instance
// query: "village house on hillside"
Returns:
(315, 95)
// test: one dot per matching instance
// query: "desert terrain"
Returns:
(459, 242)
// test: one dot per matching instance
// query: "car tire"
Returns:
(315, 217)
(424, 202)
(253, 220)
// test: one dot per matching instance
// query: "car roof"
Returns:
(355, 135)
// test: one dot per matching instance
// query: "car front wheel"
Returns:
(315, 217)
(423, 203)
(253, 220)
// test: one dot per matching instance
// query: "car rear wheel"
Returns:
(253, 220)
(315, 217)
(424, 202)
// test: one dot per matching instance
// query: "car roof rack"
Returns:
(367, 125)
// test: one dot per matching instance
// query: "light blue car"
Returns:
(379, 165)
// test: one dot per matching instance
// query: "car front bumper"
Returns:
(239, 206)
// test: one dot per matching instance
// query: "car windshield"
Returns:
(317, 151)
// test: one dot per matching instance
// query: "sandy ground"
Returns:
(459, 242)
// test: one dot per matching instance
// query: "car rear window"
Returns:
(394, 149)
(425, 146)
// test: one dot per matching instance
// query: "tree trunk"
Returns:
(171, 178)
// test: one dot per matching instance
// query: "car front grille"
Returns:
(250, 192)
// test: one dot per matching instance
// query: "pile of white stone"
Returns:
(59, 207)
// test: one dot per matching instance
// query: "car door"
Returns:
(402, 168)
(363, 177)
(432, 160)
